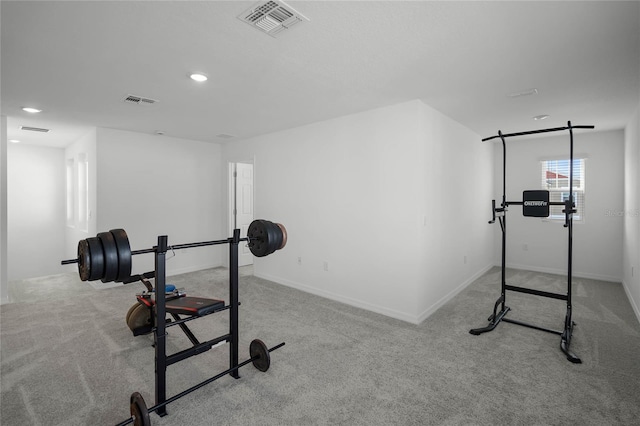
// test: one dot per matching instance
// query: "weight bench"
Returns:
(196, 306)
(140, 317)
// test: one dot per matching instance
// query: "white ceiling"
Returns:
(78, 60)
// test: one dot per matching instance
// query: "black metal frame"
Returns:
(162, 360)
(160, 324)
(569, 208)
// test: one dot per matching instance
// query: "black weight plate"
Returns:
(269, 237)
(139, 410)
(275, 236)
(257, 234)
(97, 258)
(84, 260)
(110, 256)
(124, 253)
(254, 231)
(260, 355)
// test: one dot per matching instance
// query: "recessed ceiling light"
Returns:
(31, 110)
(541, 117)
(14, 141)
(198, 77)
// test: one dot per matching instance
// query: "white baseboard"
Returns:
(403, 316)
(632, 302)
(431, 309)
(98, 285)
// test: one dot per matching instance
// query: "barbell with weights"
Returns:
(107, 256)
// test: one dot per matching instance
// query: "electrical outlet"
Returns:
(325, 265)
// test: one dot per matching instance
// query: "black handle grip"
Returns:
(493, 211)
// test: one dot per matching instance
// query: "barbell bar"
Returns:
(259, 356)
(107, 256)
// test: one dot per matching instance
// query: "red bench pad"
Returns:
(199, 306)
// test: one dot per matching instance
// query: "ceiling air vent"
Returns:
(138, 100)
(34, 129)
(272, 16)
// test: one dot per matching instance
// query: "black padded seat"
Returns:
(199, 306)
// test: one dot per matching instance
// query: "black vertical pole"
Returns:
(504, 170)
(570, 225)
(160, 334)
(503, 221)
(233, 295)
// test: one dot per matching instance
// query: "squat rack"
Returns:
(569, 208)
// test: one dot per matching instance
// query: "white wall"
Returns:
(4, 277)
(597, 240)
(353, 195)
(457, 245)
(157, 185)
(631, 237)
(36, 210)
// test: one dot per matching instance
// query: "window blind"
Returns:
(555, 175)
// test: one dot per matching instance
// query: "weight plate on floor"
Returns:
(260, 355)
(110, 256)
(124, 253)
(139, 410)
(97, 258)
(126, 318)
(140, 316)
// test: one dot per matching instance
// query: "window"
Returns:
(555, 179)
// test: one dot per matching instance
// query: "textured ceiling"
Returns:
(78, 60)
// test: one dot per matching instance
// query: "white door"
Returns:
(242, 208)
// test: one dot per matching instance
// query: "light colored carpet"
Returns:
(68, 358)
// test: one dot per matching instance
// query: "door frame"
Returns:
(231, 192)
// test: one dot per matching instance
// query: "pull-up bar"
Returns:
(535, 203)
(533, 132)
